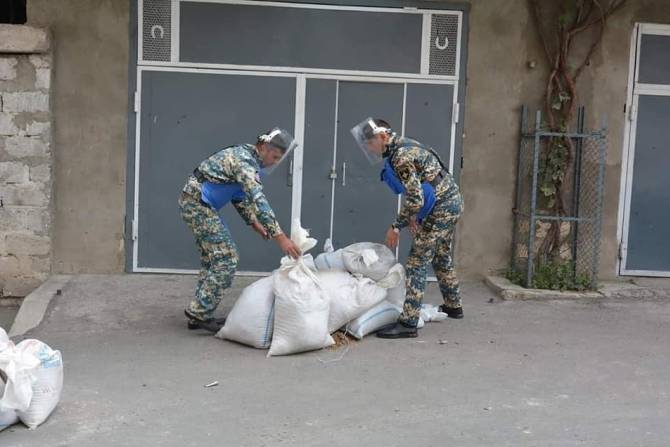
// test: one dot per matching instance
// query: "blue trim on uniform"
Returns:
(389, 177)
(218, 195)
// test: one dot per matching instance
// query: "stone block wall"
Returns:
(26, 159)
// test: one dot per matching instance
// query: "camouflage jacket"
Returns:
(414, 165)
(239, 164)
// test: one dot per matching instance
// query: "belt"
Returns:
(438, 178)
(199, 176)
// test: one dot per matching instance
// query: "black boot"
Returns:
(211, 325)
(397, 330)
(452, 312)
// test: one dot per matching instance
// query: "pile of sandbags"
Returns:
(31, 381)
(359, 288)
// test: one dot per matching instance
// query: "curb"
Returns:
(35, 305)
(510, 291)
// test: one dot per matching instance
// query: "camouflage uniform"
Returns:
(414, 164)
(218, 253)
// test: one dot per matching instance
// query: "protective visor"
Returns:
(365, 134)
(278, 139)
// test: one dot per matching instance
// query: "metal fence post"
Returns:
(533, 199)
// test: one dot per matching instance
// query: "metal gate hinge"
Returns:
(333, 174)
(621, 250)
(135, 230)
(632, 112)
(456, 112)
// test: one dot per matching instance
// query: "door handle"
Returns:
(289, 177)
(344, 173)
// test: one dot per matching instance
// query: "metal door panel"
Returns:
(185, 117)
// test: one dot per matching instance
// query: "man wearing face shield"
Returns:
(231, 175)
(431, 209)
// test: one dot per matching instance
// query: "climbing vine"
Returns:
(570, 32)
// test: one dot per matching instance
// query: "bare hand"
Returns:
(391, 239)
(288, 246)
(258, 228)
(413, 226)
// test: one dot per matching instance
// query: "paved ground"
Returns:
(7, 314)
(512, 374)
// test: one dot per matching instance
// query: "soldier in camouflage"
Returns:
(230, 175)
(431, 209)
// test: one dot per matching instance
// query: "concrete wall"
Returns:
(90, 110)
(91, 47)
(502, 42)
(25, 159)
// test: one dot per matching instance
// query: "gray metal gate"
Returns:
(645, 245)
(206, 80)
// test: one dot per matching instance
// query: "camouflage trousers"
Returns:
(218, 256)
(432, 244)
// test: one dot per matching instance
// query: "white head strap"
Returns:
(266, 138)
(376, 130)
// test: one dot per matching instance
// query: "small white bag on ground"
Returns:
(431, 313)
(301, 305)
(251, 319)
(349, 296)
(47, 384)
(368, 259)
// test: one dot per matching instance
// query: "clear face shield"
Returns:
(368, 136)
(277, 146)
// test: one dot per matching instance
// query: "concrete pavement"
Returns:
(552, 373)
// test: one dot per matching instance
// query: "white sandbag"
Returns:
(47, 382)
(301, 237)
(394, 281)
(301, 305)
(16, 370)
(251, 319)
(374, 319)
(349, 296)
(394, 277)
(5, 342)
(8, 417)
(368, 259)
(330, 261)
(387, 312)
(301, 311)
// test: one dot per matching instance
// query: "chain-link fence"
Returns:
(558, 211)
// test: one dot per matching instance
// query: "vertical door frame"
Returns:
(635, 89)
